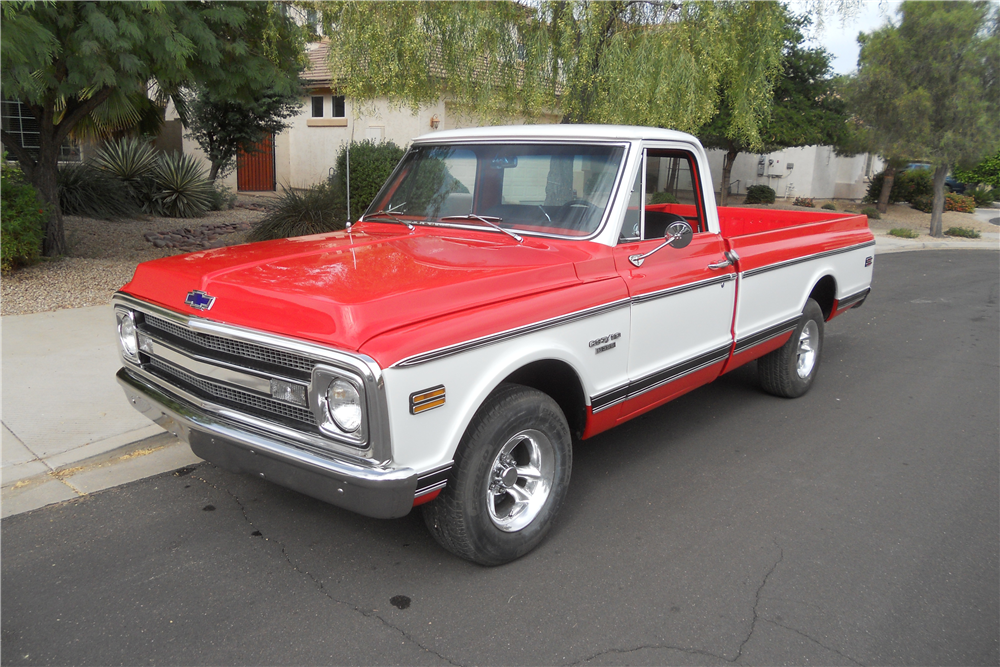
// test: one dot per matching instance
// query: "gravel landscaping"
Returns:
(103, 253)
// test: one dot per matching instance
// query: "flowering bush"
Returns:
(959, 203)
(952, 202)
(804, 201)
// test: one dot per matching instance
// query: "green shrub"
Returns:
(94, 193)
(914, 183)
(829, 206)
(663, 198)
(759, 194)
(983, 194)
(223, 198)
(182, 189)
(964, 232)
(23, 215)
(871, 212)
(924, 203)
(321, 208)
(906, 186)
(960, 203)
(807, 202)
(904, 233)
(371, 165)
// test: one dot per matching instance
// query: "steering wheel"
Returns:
(575, 211)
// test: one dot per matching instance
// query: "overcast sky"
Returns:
(839, 35)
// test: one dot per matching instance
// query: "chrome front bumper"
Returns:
(375, 492)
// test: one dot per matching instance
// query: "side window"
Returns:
(672, 193)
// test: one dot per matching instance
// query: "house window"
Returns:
(338, 106)
(317, 107)
(17, 121)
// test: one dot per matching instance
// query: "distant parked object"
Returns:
(949, 181)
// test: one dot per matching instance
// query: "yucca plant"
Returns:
(321, 208)
(91, 192)
(129, 159)
(182, 189)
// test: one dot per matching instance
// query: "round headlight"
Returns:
(344, 403)
(126, 334)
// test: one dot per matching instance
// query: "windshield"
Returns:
(558, 189)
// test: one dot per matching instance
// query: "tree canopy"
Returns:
(223, 126)
(645, 63)
(64, 60)
(805, 111)
(927, 89)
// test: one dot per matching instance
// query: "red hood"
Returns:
(342, 289)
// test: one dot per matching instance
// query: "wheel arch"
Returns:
(824, 292)
(559, 380)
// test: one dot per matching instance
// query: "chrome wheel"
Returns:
(520, 480)
(806, 356)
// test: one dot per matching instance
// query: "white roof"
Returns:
(556, 131)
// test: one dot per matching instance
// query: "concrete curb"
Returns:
(75, 479)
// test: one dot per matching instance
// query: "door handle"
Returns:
(720, 265)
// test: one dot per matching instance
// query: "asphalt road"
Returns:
(856, 525)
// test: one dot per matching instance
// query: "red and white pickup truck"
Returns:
(509, 290)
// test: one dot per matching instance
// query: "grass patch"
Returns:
(964, 232)
(904, 233)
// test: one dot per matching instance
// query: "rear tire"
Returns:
(790, 370)
(510, 477)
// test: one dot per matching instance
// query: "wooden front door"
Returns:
(255, 168)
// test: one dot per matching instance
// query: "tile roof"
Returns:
(318, 71)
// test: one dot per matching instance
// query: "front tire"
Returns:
(510, 477)
(790, 370)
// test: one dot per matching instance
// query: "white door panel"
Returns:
(675, 328)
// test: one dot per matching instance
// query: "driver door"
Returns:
(682, 299)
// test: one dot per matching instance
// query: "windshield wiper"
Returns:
(390, 217)
(489, 221)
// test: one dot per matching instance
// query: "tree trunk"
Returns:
(45, 180)
(888, 179)
(727, 171)
(937, 211)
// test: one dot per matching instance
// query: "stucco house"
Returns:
(304, 154)
(810, 171)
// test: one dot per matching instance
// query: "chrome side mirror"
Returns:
(678, 236)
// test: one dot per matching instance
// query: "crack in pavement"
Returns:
(756, 602)
(683, 649)
(694, 651)
(815, 641)
(319, 584)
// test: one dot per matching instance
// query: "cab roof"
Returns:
(559, 131)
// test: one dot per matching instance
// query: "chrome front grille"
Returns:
(258, 380)
(299, 416)
(233, 347)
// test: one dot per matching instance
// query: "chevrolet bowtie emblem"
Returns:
(200, 300)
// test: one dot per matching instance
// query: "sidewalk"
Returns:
(67, 428)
